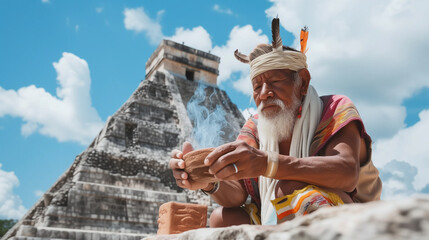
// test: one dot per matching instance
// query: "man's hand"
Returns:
(178, 165)
(250, 162)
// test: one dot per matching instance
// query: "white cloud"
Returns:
(10, 204)
(29, 128)
(67, 117)
(76, 28)
(137, 20)
(45, 1)
(373, 115)
(39, 193)
(196, 37)
(371, 51)
(243, 84)
(244, 39)
(159, 15)
(99, 9)
(398, 178)
(408, 145)
(218, 9)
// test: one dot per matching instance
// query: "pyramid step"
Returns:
(99, 176)
(26, 232)
(102, 207)
(138, 194)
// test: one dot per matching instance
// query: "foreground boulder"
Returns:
(399, 219)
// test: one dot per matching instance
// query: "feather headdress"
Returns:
(277, 43)
(275, 31)
(265, 57)
(303, 39)
(241, 57)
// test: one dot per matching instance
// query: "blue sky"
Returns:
(68, 65)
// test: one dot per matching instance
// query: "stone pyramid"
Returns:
(114, 188)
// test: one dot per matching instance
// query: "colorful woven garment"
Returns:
(338, 111)
(304, 201)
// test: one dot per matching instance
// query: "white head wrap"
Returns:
(277, 59)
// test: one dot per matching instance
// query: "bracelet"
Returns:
(214, 189)
(272, 164)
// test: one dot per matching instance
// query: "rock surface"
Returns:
(400, 219)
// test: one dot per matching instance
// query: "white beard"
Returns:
(274, 129)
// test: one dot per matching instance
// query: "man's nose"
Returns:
(266, 91)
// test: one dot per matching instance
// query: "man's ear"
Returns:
(304, 74)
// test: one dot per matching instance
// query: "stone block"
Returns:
(175, 217)
(27, 231)
(195, 167)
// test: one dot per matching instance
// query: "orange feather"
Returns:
(304, 38)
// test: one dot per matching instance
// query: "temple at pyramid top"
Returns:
(189, 63)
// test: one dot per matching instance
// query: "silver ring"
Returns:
(236, 168)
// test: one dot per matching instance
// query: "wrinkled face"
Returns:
(274, 85)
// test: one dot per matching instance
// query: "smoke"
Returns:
(208, 119)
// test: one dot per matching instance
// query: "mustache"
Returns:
(277, 102)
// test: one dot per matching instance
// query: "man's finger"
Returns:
(222, 162)
(186, 184)
(177, 163)
(218, 152)
(228, 173)
(179, 183)
(234, 176)
(176, 154)
(180, 175)
(187, 147)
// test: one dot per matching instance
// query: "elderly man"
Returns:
(300, 152)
